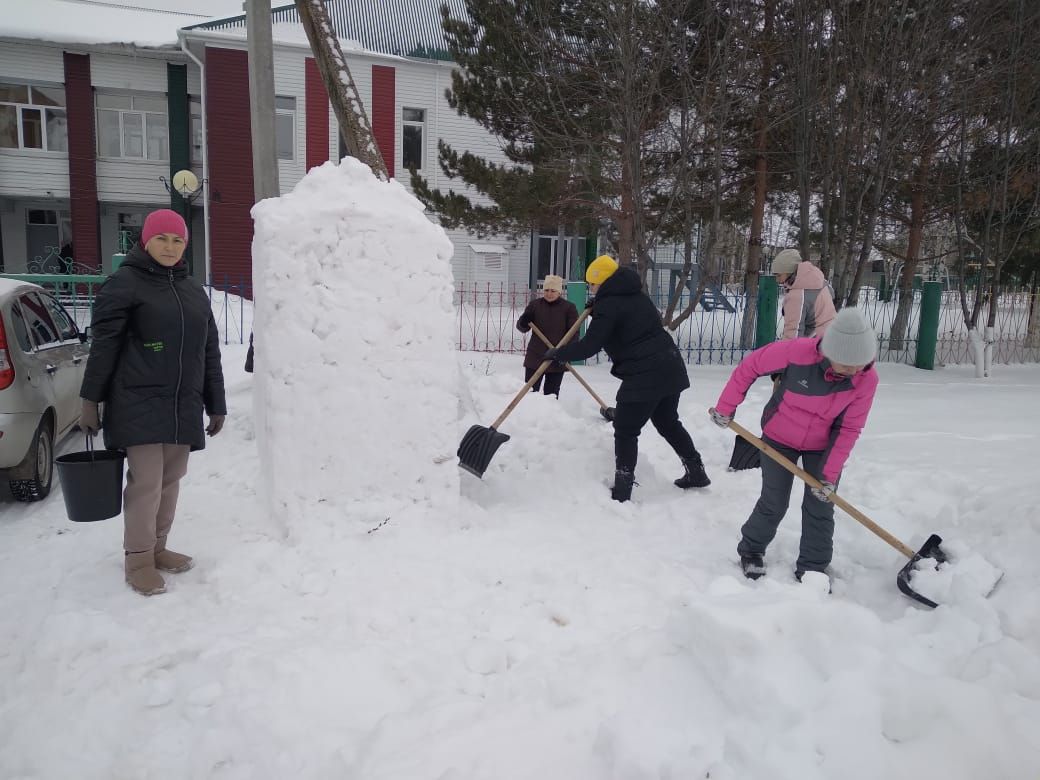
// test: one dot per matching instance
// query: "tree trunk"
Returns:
(852, 298)
(626, 220)
(1033, 326)
(758, 210)
(901, 322)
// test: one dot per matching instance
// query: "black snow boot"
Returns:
(694, 476)
(623, 481)
(753, 564)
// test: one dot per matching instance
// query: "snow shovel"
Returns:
(930, 549)
(607, 412)
(479, 444)
(745, 455)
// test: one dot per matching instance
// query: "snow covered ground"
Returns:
(539, 630)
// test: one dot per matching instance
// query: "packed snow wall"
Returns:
(356, 386)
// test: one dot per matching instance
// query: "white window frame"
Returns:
(43, 109)
(421, 124)
(144, 114)
(291, 113)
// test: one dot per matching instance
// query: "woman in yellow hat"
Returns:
(627, 326)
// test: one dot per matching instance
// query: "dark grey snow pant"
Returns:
(817, 542)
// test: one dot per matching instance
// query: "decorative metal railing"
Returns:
(486, 315)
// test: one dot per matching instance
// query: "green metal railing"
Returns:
(231, 303)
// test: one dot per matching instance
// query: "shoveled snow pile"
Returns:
(356, 378)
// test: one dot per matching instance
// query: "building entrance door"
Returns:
(559, 256)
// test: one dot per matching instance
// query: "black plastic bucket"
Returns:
(92, 483)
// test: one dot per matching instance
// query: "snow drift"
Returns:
(356, 378)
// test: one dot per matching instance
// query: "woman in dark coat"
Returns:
(627, 326)
(155, 365)
(553, 316)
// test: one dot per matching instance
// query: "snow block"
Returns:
(356, 381)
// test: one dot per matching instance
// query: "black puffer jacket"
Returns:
(627, 326)
(155, 356)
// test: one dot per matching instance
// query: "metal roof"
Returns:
(407, 28)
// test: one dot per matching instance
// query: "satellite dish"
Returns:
(186, 183)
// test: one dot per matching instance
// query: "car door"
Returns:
(55, 354)
(70, 339)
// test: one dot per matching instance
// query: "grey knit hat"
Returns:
(849, 339)
(786, 262)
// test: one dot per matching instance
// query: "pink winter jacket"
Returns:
(808, 304)
(812, 408)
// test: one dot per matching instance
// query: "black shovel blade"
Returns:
(607, 413)
(745, 455)
(478, 448)
(930, 549)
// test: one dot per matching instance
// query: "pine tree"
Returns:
(577, 93)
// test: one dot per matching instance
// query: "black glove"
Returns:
(589, 301)
(550, 354)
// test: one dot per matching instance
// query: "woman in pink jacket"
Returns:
(816, 413)
(808, 304)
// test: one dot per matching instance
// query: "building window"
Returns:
(133, 127)
(285, 127)
(195, 111)
(129, 230)
(413, 121)
(33, 117)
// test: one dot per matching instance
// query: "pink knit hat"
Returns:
(163, 221)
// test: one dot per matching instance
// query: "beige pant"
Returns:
(150, 497)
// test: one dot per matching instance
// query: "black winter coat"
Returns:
(554, 320)
(627, 326)
(154, 356)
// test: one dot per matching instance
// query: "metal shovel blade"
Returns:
(930, 549)
(745, 455)
(478, 447)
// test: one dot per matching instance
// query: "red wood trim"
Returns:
(384, 112)
(230, 166)
(83, 195)
(317, 124)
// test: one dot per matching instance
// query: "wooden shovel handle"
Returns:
(570, 368)
(541, 370)
(811, 481)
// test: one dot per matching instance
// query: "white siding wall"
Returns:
(290, 81)
(29, 172)
(194, 78)
(135, 181)
(422, 85)
(35, 61)
(131, 181)
(128, 72)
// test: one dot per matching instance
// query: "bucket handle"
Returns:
(90, 445)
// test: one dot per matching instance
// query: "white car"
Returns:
(42, 358)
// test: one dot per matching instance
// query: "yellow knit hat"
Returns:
(600, 269)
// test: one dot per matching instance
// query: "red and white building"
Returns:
(101, 102)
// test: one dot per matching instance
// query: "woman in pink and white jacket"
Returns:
(816, 413)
